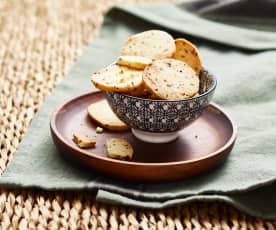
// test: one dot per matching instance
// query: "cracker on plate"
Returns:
(119, 148)
(103, 115)
(83, 141)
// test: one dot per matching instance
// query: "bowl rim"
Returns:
(210, 90)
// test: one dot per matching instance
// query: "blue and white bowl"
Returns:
(158, 121)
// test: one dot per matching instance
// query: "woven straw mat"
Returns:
(39, 42)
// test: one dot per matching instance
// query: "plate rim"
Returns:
(54, 130)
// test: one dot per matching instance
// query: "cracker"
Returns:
(103, 115)
(135, 62)
(171, 79)
(139, 92)
(119, 148)
(117, 79)
(153, 44)
(187, 52)
(83, 141)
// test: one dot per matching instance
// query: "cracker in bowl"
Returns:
(135, 62)
(188, 53)
(118, 79)
(170, 79)
(153, 44)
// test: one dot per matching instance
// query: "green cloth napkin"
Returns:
(244, 62)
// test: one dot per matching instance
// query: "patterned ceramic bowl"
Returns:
(158, 121)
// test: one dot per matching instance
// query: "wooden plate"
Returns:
(201, 146)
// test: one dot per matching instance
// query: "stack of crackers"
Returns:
(153, 65)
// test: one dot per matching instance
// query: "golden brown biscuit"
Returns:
(170, 79)
(83, 141)
(102, 114)
(118, 79)
(187, 52)
(153, 44)
(119, 149)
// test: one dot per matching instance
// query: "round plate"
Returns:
(199, 147)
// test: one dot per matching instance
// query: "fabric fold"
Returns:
(184, 22)
(244, 201)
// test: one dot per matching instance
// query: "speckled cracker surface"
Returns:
(187, 52)
(117, 79)
(154, 44)
(171, 79)
(119, 148)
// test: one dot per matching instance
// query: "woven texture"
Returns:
(39, 42)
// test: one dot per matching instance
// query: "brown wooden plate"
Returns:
(201, 146)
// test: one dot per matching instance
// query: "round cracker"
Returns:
(153, 44)
(171, 79)
(103, 115)
(118, 79)
(136, 62)
(187, 52)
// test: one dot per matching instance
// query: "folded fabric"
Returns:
(243, 61)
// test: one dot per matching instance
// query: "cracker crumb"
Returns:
(99, 129)
(83, 141)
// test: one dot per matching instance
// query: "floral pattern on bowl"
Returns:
(163, 115)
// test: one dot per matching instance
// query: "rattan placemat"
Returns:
(39, 42)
